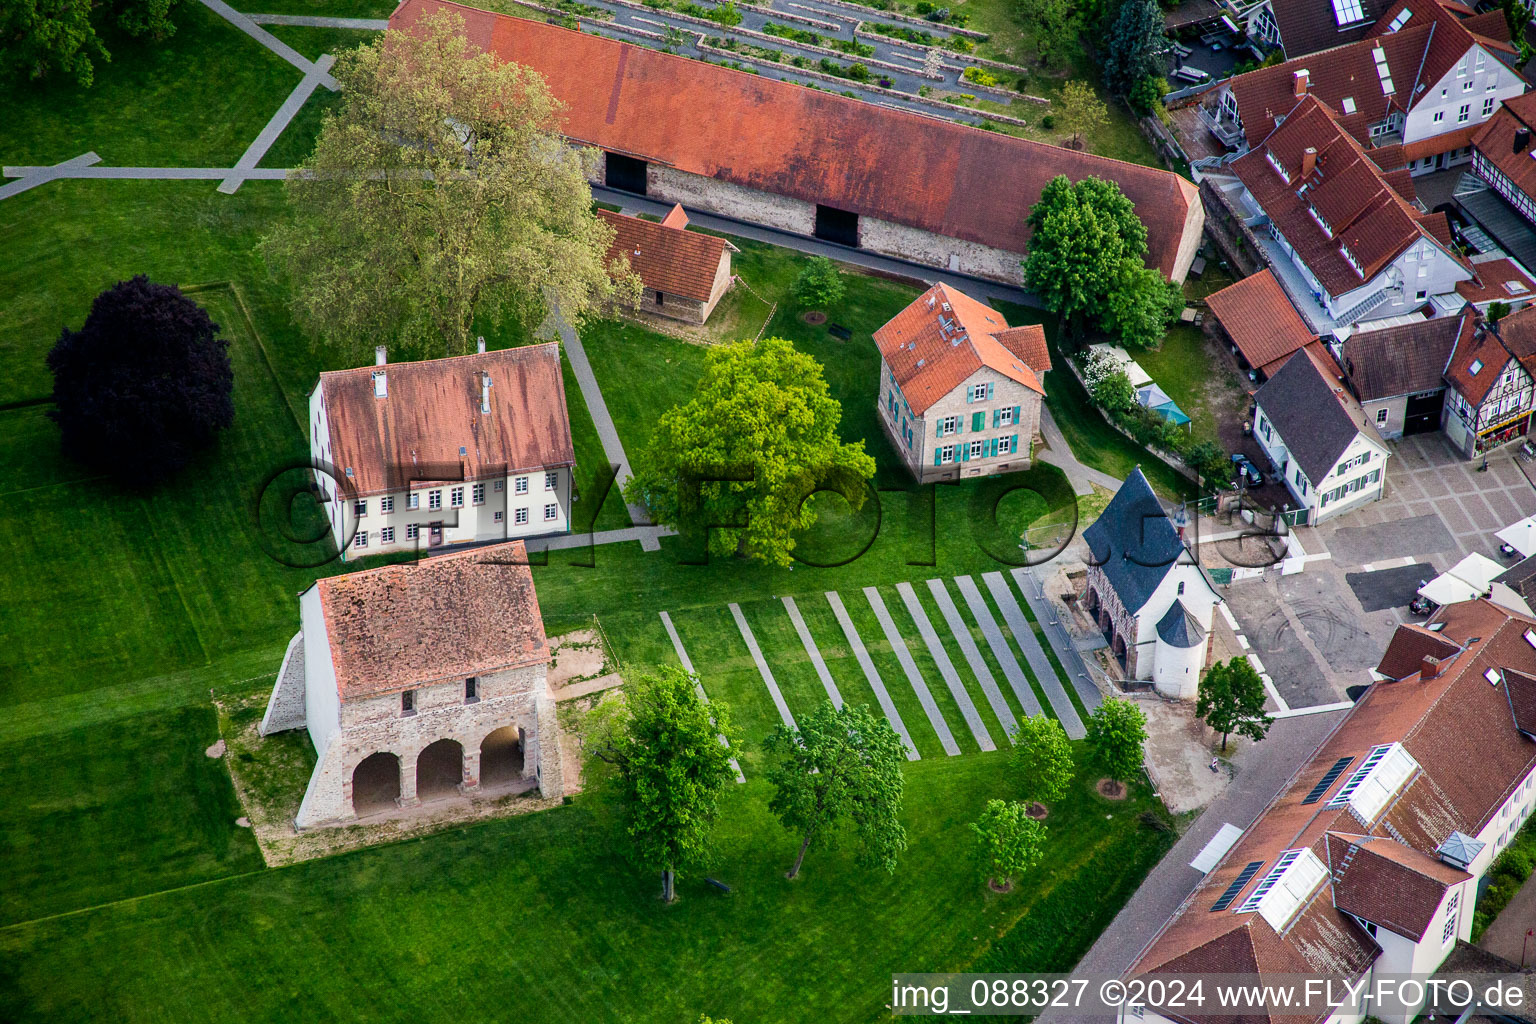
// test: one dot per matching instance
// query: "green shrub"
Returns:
(1048, 122)
(959, 44)
(819, 285)
(981, 77)
(1505, 877)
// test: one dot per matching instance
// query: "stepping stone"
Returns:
(999, 645)
(698, 688)
(762, 667)
(1066, 712)
(899, 648)
(875, 683)
(979, 669)
(946, 667)
(813, 652)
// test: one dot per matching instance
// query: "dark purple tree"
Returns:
(144, 385)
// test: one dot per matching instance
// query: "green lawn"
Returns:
(1185, 367)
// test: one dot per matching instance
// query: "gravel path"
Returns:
(279, 123)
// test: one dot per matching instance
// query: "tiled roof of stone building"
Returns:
(1402, 360)
(1480, 358)
(1260, 320)
(944, 336)
(1430, 789)
(447, 617)
(812, 145)
(1134, 542)
(427, 425)
(1315, 416)
(1408, 648)
(667, 257)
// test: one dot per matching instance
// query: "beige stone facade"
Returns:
(961, 437)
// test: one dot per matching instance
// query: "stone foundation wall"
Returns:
(285, 708)
(940, 251)
(729, 200)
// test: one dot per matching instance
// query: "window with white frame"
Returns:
(978, 392)
(520, 485)
(1439, 116)
(1449, 931)
(1381, 415)
(456, 496)
(386, 505)
(387, 535)
(976, 449)
(1467, 85)
(412, 531)
(948, 425)
(361, 540)
(1464, 113)
(947, 453)
(521, 517)
(434, 500)
(477, 494)
(1005, 416)
(551, 480)
(413, 501)
(496, 517)
(359, 508)
(497, 486)
(551, 511)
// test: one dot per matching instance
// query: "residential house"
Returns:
(1398, 373)
(467, 449)
(1502, 154)
(810, 161)
(1300, 27)
(960, 390)
(1347, 245)
(683, 273)
(1147, 592)
(1497, 281)
(1492, 378)
(1260, 323)
(420, 680)
(1368, 863)
(1318, 438)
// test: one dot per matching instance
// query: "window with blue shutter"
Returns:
(1015, 415)
(967, 396)
(938, 456)
(965, 453)
(989, 391)
(995, 414)
(1013, 445)
(938, 429)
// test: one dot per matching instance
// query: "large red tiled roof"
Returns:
(665, 256)
(1501, 280)
(431, 410)
(1386, 883)
(944, 336)
(1307, 26)
(815, 146)
(1496, 137)
(1408, 648)
(400, 627)
(1260, 320)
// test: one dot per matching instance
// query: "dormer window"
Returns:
(1270, 156)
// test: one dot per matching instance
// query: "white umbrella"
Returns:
(1521, 536)
(1477, 570)
(1447, 589)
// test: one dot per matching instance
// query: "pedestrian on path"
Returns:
(1216, 765)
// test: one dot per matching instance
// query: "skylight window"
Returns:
(1383, 71)
(1530, 638)
(1347, 12)
(1492, 675)
(1268, 882)
(1401, 20)
(1515, 287)
(1376, 788)
(1295, 876)
(1371, 761)
(1348, 103)
(1477, 364)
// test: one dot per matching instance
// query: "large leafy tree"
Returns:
(1232, 700)
(1136, 47)
(143, 385)
(440, 193)
(741, 457)
(1008, 842)
(1117, 732)
(1140, 305)
(1081, 235)
(840, 769)
(59, 38)
(1053, 26)
(658, 747)
(1042, 759)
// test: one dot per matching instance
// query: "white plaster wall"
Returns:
(471, 522)
(322, 704)
(1176, 670)
(1446, 96)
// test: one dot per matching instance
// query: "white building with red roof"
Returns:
(960, 390)
(420, 680)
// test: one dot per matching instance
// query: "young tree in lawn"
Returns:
(840, 770)
(1008, 842)
(1080, 111)
(440, 195)
(1053, 25)
(1042, 759)
(1081, 234)
(1232, 701)
(657, 747)
(1140, 305)
(1117, 732)
(144, 384)
(739, 459)
(1136, 46)
(818, 285)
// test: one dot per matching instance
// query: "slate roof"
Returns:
(1260, 319)
(1314, 419)
(1402, 360)
(446, 617)
(1134, 542)
(1391, 885)
(666, 257)
(813, 145)
(432, 409)
(943, 336)
(1178, 627)
(1521, 578)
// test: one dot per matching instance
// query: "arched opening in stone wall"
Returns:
(1091, 602)
(376, 784)
(501, 757)
(439, 770)
(1119, 649)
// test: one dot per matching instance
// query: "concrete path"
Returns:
(648, 536)
(1039, 664)
(946, 667)
(1060, 640)
(31, 177)
(1059, 454)
(311, 21)
(607, 433)
(279, 123)
(813, 652)
(762, 667)
(856, 643)
(1000, 649)
(267, 39)
(698, 688)
(973, 658)
(142, 173)
(899, 647)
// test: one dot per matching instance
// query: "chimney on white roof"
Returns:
(485, 394)
(1299, 82)
(480, 344)
(380, 355)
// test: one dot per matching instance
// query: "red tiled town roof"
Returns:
(1260, 320)
(1408, 648)
(431, 410)
(1496, 137)
(1404, 359)
(448, 617)
(815, 146)
(944, 336)
(1501, 280)
(665, 256)
(1307, 26)
(1489, 350)
(1386, 883)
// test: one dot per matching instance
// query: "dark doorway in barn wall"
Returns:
(625, 173)
(840, 226)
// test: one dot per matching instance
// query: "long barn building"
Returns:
(767, 152)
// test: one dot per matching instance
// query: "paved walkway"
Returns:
(1059, 454)
(311, 21)
(31, 177)
(1060, 640)
(1039, 664)
(899, 648)
(762, 667)
(1506, 937)
(1000, 649)
(648, 536)
(856, 643)
(813, 652)
(70, 169)
(682, 656)
(973, 658)
(267, 39)
(946, 667)
(279, 123)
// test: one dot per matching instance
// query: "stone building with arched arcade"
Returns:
(418, 681)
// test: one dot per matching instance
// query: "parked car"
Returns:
(1246, 471)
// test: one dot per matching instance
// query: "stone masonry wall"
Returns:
(729, 200)
(285, 708)
(940, 251)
